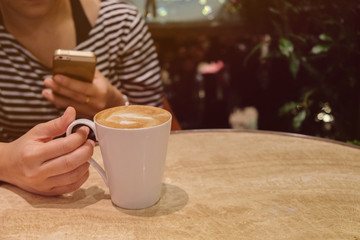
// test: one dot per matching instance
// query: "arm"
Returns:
(41, 164)
(139, 69)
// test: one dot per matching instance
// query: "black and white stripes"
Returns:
(126, 56)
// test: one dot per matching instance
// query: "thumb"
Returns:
(56, 127)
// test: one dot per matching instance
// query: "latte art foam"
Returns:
(132, 117)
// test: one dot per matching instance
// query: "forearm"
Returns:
(140, 76)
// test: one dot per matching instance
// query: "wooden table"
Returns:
(217, 185)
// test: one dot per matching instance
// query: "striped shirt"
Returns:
(125, 53)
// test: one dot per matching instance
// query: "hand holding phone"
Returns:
(86, 98)
(75, 64)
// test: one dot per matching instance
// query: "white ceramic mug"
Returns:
(133, 159)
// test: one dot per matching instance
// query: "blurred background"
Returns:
(279, 65)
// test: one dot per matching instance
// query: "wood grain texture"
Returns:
(217, 185)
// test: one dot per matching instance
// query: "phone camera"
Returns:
(62, 58)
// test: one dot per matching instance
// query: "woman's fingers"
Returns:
(68, 178)
(63, 93)
(47, 131)
(71, 187)
(75, 85)
(64, 171)
(70, 161)
(41, 164)
(69, 87)
(59, 146)
(85, 109)
(86, 98)
(63, 188)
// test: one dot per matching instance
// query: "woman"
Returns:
(31, 156)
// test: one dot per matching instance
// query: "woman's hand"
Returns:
(41, 164)
(86, 98)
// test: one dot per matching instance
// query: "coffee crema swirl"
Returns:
(132, 117)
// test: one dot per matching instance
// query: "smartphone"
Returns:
(75, 64)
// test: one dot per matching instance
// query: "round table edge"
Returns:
(296, 135)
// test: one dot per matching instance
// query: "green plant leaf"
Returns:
(294, 65)
(290, 6)
(253, 51)
(317, 49)
(273, 10)
(288, 108)
(299, 119)
(298, 37)
(286, 47)
(355, 142)
(325, 37)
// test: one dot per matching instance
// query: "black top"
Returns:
(82, 24)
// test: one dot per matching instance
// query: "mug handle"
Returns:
(92, 162)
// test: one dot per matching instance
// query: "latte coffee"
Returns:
(132, 117)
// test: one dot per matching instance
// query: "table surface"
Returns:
(217, 185)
